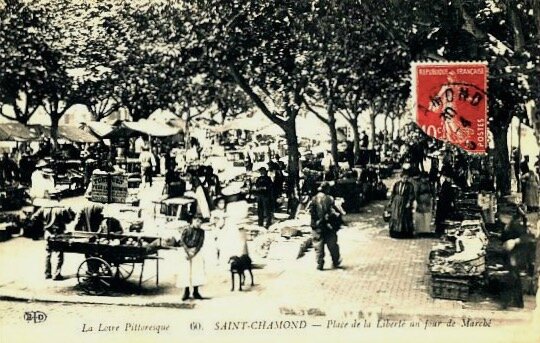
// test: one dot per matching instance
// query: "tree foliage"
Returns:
(334, 57)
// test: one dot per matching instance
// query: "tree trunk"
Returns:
(187, 136)
(55, 118)
(333, 138)
(390, 132)
(356, 139)
(293, 153)
(501, 159)
(372, 116)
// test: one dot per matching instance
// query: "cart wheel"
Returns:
(94, 276)
(123, 271)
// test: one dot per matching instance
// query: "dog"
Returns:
(238, 266)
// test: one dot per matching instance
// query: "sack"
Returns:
(386, 213)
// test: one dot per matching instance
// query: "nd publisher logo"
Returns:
(35, 316)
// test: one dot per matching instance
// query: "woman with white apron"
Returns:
(191, 260)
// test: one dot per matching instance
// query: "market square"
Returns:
(265, 166)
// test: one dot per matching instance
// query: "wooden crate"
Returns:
(100, 188)
(450, 288)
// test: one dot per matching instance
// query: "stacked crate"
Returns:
(119, 188)
(112, 188)
(100, 188)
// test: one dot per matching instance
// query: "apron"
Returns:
(191, 273)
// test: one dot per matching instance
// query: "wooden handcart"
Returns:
(109, 257)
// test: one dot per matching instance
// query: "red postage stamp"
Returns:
(450, 102)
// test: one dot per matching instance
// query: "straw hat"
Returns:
(41, 164)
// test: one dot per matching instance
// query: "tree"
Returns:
(45, 40)
(263, 47)
(502, 32)
(356, 69)
(21, 64)
(334, 62)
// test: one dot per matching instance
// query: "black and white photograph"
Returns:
(269, 170)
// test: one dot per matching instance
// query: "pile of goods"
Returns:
(459, 260)
(238, 187)
(292, 239)
(289, 249)
(261, 244)
(9, 225)
(385, 169)
(12, 197)
(467, 206)
(107, 240)
(285, 240)
(125, 241)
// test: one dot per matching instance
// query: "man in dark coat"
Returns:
(325, 222)
(9, 171)
(53, 220)
(445, 204)
(211, 182)
(89, 218)
(401, 208)
(278, 180)
(265, 193)
(364, 140)
(520, 246)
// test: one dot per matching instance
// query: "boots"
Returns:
(196, 294)
(186, 294)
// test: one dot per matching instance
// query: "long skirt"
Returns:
(231, 242)
(530, 194)
(401, 219)
(422, 222)
(191, 272)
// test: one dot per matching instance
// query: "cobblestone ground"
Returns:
(379, 274)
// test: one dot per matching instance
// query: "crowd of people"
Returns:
(431, 179)
(429, 185)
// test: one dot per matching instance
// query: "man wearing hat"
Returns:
(325, 216)
(53, 218)
(42, 180)
(148, 165)
(264, 192)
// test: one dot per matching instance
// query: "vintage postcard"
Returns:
(264, 170)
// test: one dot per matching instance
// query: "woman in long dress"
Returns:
(529, 189)
(218, 219)
(232, 240)
(424, 204)
(401, 208)
(203, 201)
(191, 272)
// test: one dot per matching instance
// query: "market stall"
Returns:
(110, 258)
(457, 263)
(470, 260)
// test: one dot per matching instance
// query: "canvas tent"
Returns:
(18, 132)
(129, 129)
